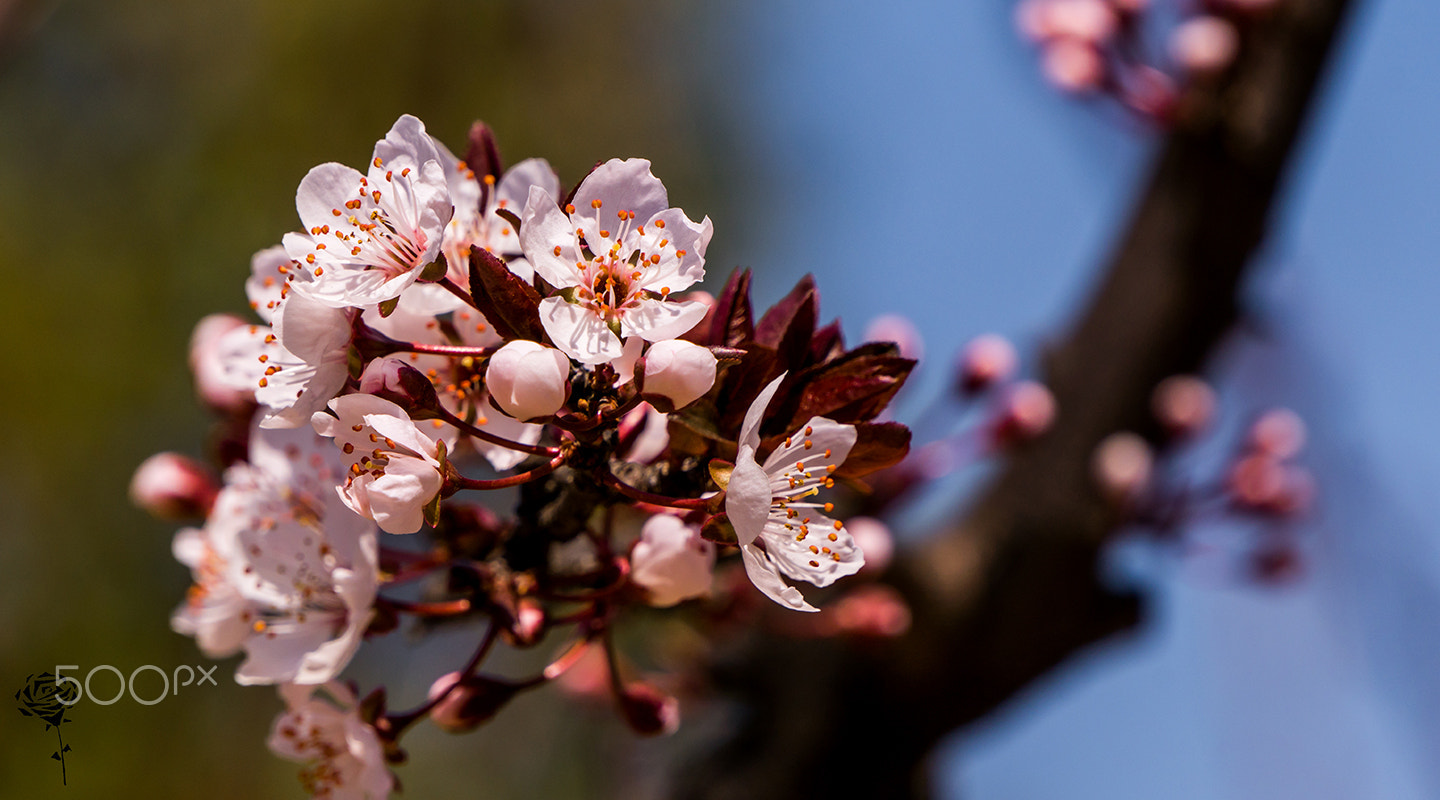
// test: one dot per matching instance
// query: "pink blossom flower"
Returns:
(616, 253)
(671, 562)
(394, 468)
(343, 755)
(282, 569)
(368, 237)
(780, 530)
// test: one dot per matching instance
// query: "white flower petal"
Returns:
(658, 320)
(579, 332)
(765, 577)
(747, 498)
(543, 227)
(750, 429)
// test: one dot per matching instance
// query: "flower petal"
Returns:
(544, 227)
(579, 332)
(762, 573)
(747, 498)
(658, 320)
(750, 429)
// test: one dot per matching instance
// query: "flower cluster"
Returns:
(457, 371)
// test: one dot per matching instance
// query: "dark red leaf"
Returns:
(733, 323)
(877, 445)
(510, 304)
(482, 155)
(789, 325)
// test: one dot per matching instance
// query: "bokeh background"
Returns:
(911, 157)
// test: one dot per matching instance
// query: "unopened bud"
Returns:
(874, 540)
(677, 373)
(528, 380)
(1028, 411)
(1073, 66)
(876, 610)
(401, 384)
(214, 387)
(1092, 22)
(1279, 432)
(649, 711)
(529, 622)
(898, 329)
(1184, 404)
(1121, 466)
(173, 487)
(1204, 45)
(986, 361)
(467, 703)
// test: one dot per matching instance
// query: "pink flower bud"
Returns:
(468, 703)
(1204, 45)
(1090, 22)
(876, 610)
(874, 540)
(985, 361)
(528, 380)
(1073, 66)
(671, 562)
(1184, 404)
(212, 385)
(1122, 465)
(173, 487)
(677, 373)
(649, 711)
(1028, 411)
(402, 385)
(1279, 433)
(897, 329)
(529, 622)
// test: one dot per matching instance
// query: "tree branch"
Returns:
(1011, 591)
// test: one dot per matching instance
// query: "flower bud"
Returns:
(677, 373)
(173, 487)
(1279, 433)
(876, 611)
(1073, 66)
(1028, 411)
(214, 388)
(467, 703)
(898, 329)
(649, 711)
(1091, 22)
(874, 540)
(671, 562)
(529, 623)
(1183, 404)
(1121, 465)
(528, 380)
(402, 385)
(1204, 45)
(986, 360)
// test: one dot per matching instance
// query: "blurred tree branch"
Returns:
(1011, 590)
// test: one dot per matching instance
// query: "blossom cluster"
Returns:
(1102, 46)
(530, 381)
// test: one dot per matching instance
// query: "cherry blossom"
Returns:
(477, 201)
(671, 562)
(343, 755)
(616, 253)
(282, 569)
(295, 367)
(779, 528)
(368, 237)
(394, 468)
(458, 382)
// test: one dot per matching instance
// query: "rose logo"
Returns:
(42, 697)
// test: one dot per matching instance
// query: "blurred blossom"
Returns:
(875, 610)
(986, 361)
(1204, 44)
(1122, 465)
(1073, 66)
(1184, 404)
(1028, 410)
(173, 487)
(212, 382)
(671, 562)
(898, 329)
(1279, 433)
(874, 539)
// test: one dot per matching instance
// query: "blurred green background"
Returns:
(146, 150)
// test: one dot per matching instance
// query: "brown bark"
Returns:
(1011, 591)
